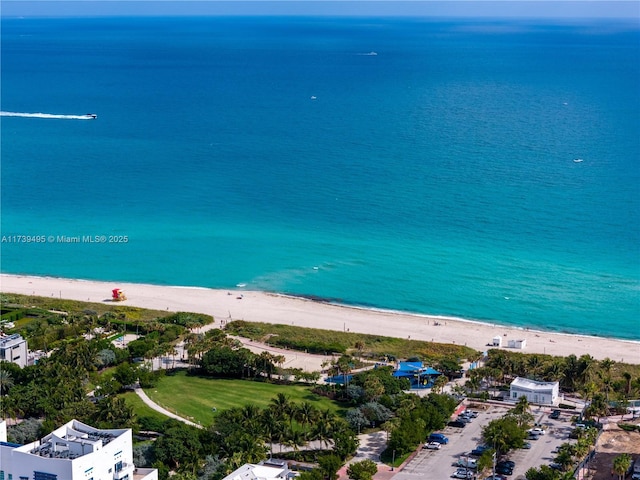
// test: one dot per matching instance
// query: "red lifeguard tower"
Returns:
(117, 295)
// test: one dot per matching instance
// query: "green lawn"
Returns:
(195, 398)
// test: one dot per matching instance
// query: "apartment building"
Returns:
(74, 451)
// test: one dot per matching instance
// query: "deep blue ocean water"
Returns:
(434, 176)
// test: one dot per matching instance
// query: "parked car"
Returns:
(555, 414)
(465, 419)
(526, 445)
(536, 431)
(479, 450)
(467, 462)
(457, 423)
(533, 436)
(508, 463)
(438, 437)
(432, 446)
(462, 473)
(504, 470)
(496, 477)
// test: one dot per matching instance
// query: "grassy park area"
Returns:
(199, 398)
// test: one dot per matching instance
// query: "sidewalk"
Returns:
(371, 446)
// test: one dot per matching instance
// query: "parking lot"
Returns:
(434, 464)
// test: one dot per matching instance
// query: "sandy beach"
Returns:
(272, 308)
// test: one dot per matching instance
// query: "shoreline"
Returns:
(257, 306)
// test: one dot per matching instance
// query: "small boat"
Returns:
(92, 116)
(578, 160)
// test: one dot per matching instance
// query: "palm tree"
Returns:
(439, 384)
(279, 360)
(390, 425)
(306, 414)
(627, 379)
(606, 382)
(324, 426)
(271, 426)
(607, 364)
(250, 417)
(588, 390)
(554, 371)
(295, 439)
(565, 456)
(621, 465)
(282, 404)
(533, 364)
(598, 407)
(586, 366)
(473, 384)
(522, 406)
(6, 381)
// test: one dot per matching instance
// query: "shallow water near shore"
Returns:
(437, 176)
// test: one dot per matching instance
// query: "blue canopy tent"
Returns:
(419, 375)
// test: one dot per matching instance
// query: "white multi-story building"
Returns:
(544, 393)
(74, 451)
(13, 348)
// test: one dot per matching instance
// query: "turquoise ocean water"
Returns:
(391, 163)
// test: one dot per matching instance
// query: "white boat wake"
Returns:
(88, 116)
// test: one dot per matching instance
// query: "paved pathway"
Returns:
(163, 411)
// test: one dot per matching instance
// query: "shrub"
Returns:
(25, 432)
(629, 427)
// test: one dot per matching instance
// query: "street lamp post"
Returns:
(494, 464)
(393, 460)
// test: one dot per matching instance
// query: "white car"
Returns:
(467, 462)
(536, 431)
(462, 473)
(432, 446)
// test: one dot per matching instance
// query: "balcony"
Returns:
(125, 472)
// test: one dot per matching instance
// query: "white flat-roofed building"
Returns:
(544, 393)
(13, 348)
(271, 469)
(74, 451)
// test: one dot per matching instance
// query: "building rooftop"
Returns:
(9, 340)
(73, 440)
(266, 470)
(531, 384)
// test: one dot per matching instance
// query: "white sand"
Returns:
(270, 308)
